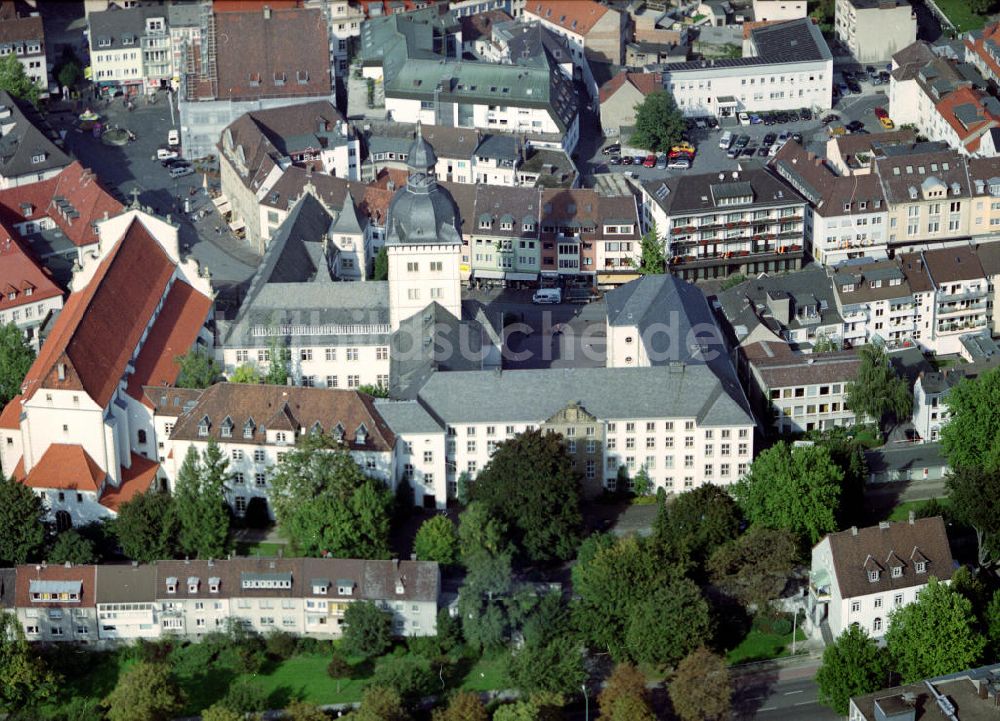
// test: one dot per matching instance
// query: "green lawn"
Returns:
(961, 15)
(264, 549)
(902, 511)
(305, 677)
(487, 673)
(760, 646)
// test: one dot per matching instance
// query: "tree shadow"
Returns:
(284, 695)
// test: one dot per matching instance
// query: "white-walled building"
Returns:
(876, 302)
(130, 48)
(28, 156)
(859, 576)
(29, 294)
(874, 29)
(57, 603)
(24, 35)
(788, 66)
(776, 10)
(79, 433)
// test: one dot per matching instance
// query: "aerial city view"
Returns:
(500, 360)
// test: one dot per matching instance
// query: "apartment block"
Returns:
(22, 34)
(874, 29)
(130, 49)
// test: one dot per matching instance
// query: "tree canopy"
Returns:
(200, 502)
(325, 504)
(381, 265)
(755, 567)
(703, 518)
(624, 691)
(653, 257)
(22, 531)
(24, 680)
(146, 526)
(974, 499)
(437, 540)
(71, 547)
(792, 488)
(197, 370)
(280, 359)
(531, 484)
(145, 692)
(852, 666)
(970, 438)
(379, 703)
(933, 636)
(554, 667)
(668, 624)
(463, 706)
(701, 689)
(246, 373)
(16, 81)
(878, 393)
(659, 124)
(16, 357)
(367, 629)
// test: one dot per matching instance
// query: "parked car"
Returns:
(638, 160)
(627, 160)
(884, 77)
(615, 160)
(870, 69)
(855, 88)
(854, 126)
(887, 122)
(650, 161)
(762, 151)
(683, 147)
(827, 119)
(661, 162)
(793, 117)
(744, 119)
(174, 162)
(783, 138)
(749, 151)
(782, 117)
(701, 123)
(742, 141)
(173, 138)
(880, 112)
(713, 123)
(843, 89)
(179, 171)
(679, 164)
(769, 119)
(681, 154)
(613, 149)
(797, 137)
(756, 120)
(769, 139)
(165, 153)
(806, 114)
(726, 141)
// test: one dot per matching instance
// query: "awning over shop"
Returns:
(616, 278)
(489, 274)
(237, 224)
(522, 276)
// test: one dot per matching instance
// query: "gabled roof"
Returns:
(578, 16)
(85, 576)
(21, 274)
(857, 551)
(101, 324)
(645, 83)
(68, 467)
(74, 200)
(24, 148)
(136, 479)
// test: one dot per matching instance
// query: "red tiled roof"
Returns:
(102, 323)
(966, 96)
(246, 6)
(10, 418)
(174, 332)
(19, 272)
(135, 480)
(66, 466)
(978, 46)
(645, 83)
(26, 574)
(284, 44)
(585, 13)
(80, 189)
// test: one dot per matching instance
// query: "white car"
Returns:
(744, 119)
(679, 164)
(166, 154)
(173, 138)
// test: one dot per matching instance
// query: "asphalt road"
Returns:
(791, 700)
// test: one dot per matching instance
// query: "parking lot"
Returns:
(710, 158)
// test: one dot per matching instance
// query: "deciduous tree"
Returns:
(16, 81)
(933, 636)
(367, 629)
(280, 359)
(703, 518)
(970, 438)
(666, 625)
(531, 484)
(878, 393)
(625, 691)
(374, 391)
(324, 503)
(220, 712)
(22, 532)
(658, 122)
(437, 540)
(70, 547)
(146, 526)
(755, 567)
(197, 370)
(974, 499)
(464, 706)
(24, 680)
(16, 355)
(246, 373)
(554, 667)
(301, 711)
(145, 692)
(701, 688)
(792, 488)
(852, 666)
(379, 703)
(653, 259)
(412, 676)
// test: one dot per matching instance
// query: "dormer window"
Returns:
(873, 576)
(302, 77)
(227, 428)
(345, 587)
(104, 42)
(279, 79)
(172, 585)
(128, 40)
(897, 571)
(317, 428)
(61, 371)
(213, 584)
(338, 433)
(400, 589)
(361, 435)
(248, 429)
(320, 586)
(28, 291)
(203, 425)
(920, 566)
(254, 79)
(192, 584)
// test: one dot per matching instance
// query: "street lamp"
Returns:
(586, 701)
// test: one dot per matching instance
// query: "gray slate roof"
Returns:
(532, 396)
(24, 148)
(407, 417)
(697, 193)
(125, 583)
(118, 25)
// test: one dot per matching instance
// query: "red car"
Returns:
(881, 113)
(650, 161)
(681, 154)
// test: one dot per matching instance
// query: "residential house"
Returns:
(222, 81)
(57, 603)
(989, 257)
(714, 225)
(801, 392)
(26, 153)
(30, 296)
(415, 58)
(859, 576)
(505, 240)
(620, 95)
(130, 49)
(257, 148)
(78, 433)
(343, 24)
(125, 597)
(188, 25)
(877, 304)
(874, 29)
(981, 50)
(785, 66)
(777, 10)
(855, 154)
(58, 218)
(22, 34)
(846, 217)
(964, 696)
(930, 395)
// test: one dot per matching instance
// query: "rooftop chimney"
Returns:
(913, 517)
(854, 530)
(267, 12)
(883, 525)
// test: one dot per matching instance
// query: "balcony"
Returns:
(737, 257)
(967, 295)
(952, 311)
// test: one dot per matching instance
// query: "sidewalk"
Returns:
(788, 668)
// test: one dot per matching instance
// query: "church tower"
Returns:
(423, 241)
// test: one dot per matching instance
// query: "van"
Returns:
(173, 138)
(726, 140)
(179, 171)
(547, 295)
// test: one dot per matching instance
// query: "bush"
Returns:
(339, 667)
(152, 651)
(777, 624)
(244, 696)
(306, 644)
(250, 659)
(280, 645)
(411, 676)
